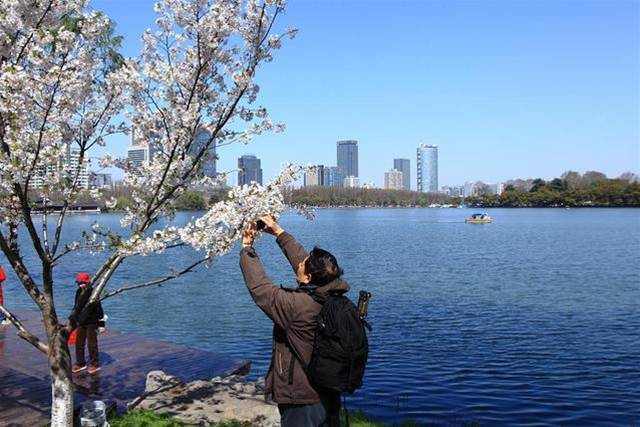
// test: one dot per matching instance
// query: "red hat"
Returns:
(3, 276)
(83, 278)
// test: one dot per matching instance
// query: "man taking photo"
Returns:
(294, 313)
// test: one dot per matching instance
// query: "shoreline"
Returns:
(105, 211)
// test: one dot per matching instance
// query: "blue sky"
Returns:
(506, 88)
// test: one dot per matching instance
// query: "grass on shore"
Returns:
(360, 419)
(146, 418)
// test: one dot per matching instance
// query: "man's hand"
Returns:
(272, 226)
(102, 330)
(249, 235)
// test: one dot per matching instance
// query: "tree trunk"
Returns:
(61, 382)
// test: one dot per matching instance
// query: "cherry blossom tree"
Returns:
(63, 85)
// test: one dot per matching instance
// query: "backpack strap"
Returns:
(317, 298)
(294, 355)
(292, 364)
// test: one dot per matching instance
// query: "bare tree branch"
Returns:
(22, 272)
(155, 282)
(23, 332)
(65, 205)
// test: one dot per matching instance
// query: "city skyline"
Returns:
(569, 103)
(249, 169)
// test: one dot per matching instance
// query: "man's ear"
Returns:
(307, 279)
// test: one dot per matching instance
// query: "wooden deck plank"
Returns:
(125, 360)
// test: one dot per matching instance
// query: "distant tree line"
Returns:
(571, 189)
(191, 200)
(326, 196)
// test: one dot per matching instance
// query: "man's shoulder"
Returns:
(305, 306)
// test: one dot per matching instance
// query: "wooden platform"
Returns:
(25, 393)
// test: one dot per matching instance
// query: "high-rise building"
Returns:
(351, 182)
(332, 176)
(209, 159)
(348, 157)
(314, 176)
(100, 180)
(469, 189)
(249, 170)
(453, 190)
(427, 168)
(73, 166)
(139, 153)
(68, 165)
(393, 180)
(404, 166)
(497, 188)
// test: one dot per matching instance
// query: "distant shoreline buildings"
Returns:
(344, 174)
(477, 188)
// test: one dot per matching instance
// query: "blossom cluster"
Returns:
(217, 229)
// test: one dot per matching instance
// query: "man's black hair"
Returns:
(322, 266)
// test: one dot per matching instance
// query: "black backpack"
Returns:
(340, 349)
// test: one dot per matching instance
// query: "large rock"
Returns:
(207, 402)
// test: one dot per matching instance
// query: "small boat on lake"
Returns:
(479, 218)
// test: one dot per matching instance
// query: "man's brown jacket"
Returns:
(294, 316)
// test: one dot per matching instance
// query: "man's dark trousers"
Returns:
(324, 414)
(302, 415)
(90, 333)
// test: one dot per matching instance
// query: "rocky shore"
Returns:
(207, 402)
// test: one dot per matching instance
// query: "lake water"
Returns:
(531, 320)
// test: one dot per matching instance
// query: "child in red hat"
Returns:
(88, 325)
(3, 318)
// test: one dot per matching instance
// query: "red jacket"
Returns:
(3, 277)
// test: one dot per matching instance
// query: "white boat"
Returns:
(479, 218)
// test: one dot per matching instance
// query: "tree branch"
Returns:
(23, 332)
(35, 28)
(65, 205)
(155, 282)
(25, 208)
(22, 272)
